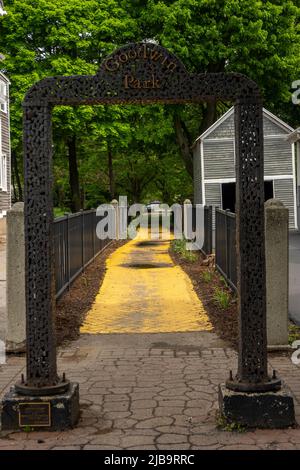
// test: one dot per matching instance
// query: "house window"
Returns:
(3, 97)
(228, 194)
(3, 172)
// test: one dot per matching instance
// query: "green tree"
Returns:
(257, 38)
(145, 151)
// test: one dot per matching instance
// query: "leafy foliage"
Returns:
(130, 150)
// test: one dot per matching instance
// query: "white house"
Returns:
(5, 155)
(294, 139)
(214, 164)
(5, 189)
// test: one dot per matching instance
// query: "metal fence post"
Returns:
(216, 236)
(82, 238)
(68, 260)
(209, 223)
(227, 226)
(93, 231)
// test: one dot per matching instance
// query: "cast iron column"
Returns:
(252, 372)
(41, 375)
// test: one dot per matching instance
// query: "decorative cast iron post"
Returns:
(42, 378)
(252, 375)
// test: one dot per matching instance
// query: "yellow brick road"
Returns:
(144, 292)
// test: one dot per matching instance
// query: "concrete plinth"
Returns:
(257, 410)
(47, 413)
(15, 280)
(277, 272)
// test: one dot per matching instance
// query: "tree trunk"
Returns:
(184, 143)
(18, 192)
(111, 171)
(209, 116)
(73, 175)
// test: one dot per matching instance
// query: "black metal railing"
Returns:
(225, 248)
(207, 248)
(76, 245)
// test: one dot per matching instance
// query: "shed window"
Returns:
(3, 97)
(228, 194)
(3, 173)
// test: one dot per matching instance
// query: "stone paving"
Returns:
(155, 392)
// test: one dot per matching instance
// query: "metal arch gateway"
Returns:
(143, 73)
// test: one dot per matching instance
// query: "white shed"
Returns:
(214, 164)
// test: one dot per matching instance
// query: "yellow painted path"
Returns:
(144, 292)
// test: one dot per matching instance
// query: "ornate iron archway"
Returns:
(144, 73)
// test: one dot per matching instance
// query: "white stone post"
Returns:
(186, 228)
(115, 205)
(277, 273)
(15, 280)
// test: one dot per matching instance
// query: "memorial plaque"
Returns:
(34, 414)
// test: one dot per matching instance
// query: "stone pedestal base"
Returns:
(259, 410)
(49, 413)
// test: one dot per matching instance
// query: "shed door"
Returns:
(228, 194)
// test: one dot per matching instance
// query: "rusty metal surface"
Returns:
(143, 73)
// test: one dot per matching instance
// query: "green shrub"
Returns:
(207, 276)
(222, 298)
(179, 247)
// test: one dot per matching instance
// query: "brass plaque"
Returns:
(34, 414)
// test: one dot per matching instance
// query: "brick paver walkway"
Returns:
(159, 394)
(142, 390)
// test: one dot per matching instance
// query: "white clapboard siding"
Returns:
(218, 159)
(278, 159)
(226, 128)
(283, 190)
(213, 197)
(197, 175)
(5, 199)
(5, 149)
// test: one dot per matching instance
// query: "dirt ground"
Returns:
(73, 305)
(225, 321)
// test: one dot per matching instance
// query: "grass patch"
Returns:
(179, 247)
(230, 426)
(221, 298)
(294, 333)
(60, 211)
(27, 428)
(207, 276)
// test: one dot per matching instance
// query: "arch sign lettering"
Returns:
(144, 73)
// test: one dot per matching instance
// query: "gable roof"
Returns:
(276, 120)
(294, 136)
(3, 77)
